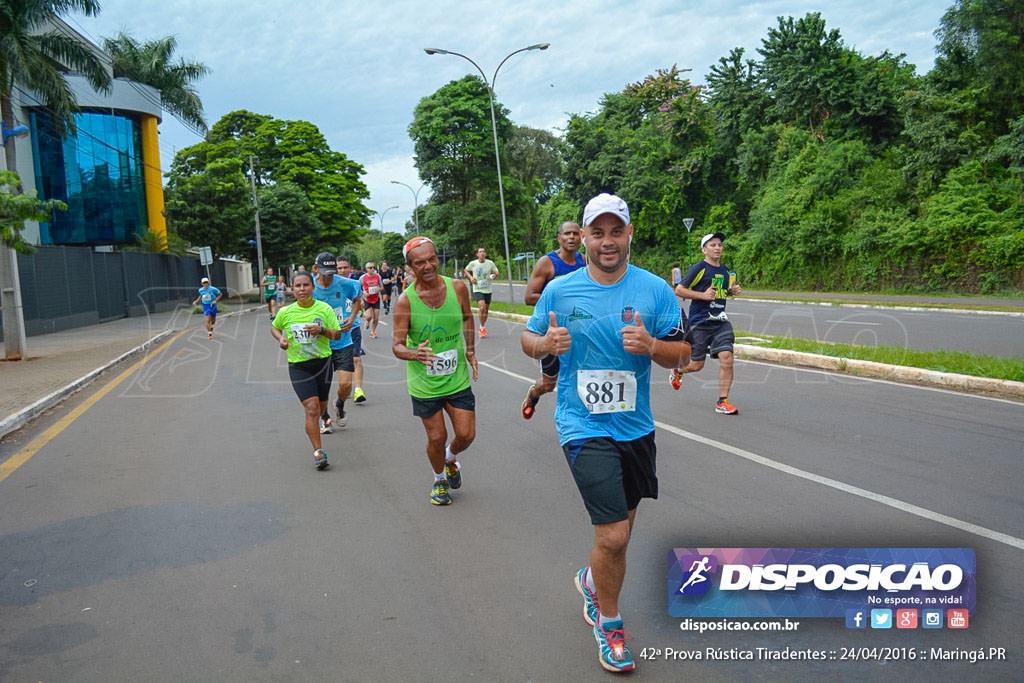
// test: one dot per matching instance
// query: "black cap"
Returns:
(326, 263)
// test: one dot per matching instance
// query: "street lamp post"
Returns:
(494, 129)
(415, 205)
(381, 216)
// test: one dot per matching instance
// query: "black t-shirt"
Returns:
(699, 277)
(387, 278)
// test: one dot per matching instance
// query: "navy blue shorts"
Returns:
(357, 339)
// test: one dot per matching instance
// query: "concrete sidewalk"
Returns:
(61, 363)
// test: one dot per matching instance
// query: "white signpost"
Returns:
(688, 222)
(206, 258)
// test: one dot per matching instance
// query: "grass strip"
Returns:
(959, 362)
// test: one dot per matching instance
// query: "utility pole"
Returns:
(259, 241)
(10, 283)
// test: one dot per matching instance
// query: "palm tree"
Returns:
(34, 56)
(150, 63)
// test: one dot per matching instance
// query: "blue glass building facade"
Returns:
(97, 172)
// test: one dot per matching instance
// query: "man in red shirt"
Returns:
(372, 285)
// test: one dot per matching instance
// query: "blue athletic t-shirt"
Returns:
(207, 295)
(339, 296)
(614, 382)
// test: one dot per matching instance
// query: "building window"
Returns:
(97, 172)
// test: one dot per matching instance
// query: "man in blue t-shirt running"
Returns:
(607, 322)
(707, 284)
(344, 295)
(209, 296)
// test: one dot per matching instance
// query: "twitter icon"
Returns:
(881, 618)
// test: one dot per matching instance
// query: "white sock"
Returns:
(604, 621)
(589, 580)
(449, 456)
(439, 476)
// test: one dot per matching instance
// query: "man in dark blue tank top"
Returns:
(554, 264)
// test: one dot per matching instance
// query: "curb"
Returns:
(19, 419)
(898, 373)
(865, 368)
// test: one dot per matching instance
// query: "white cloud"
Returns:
(357, 70)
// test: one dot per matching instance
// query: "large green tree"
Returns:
(152, 62)
(451, 131)
(212, 208)
(294, 152)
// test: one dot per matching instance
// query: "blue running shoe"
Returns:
(613, 653)
(439, 493)
(589, 597)
(454, 474)
(320, 458)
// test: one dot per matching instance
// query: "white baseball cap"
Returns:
(606, 203)
(710, 236)
(205, 279)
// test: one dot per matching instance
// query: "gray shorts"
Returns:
(711, 336)
(612, 476)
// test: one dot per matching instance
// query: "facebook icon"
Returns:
(856, 618)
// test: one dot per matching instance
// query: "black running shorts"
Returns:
(341, 360)
(311, 378)
(427, 407)
(612, 476)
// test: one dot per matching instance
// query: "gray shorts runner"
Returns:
(711, 336)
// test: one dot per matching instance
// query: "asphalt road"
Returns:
(997, 335)
(177, 531)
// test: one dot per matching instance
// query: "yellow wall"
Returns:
(152, 178)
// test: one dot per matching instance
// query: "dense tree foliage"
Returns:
(825, 167)
(294, 154)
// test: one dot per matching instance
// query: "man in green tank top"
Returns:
(434, 333)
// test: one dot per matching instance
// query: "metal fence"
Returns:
(67, 287)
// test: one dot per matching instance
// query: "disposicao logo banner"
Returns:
(816, 582)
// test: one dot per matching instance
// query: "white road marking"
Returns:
(895, 503)
(850, 322)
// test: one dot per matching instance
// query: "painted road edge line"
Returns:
(17, 420)
(895, 503)
(21, 457)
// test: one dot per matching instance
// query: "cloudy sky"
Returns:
(357, 69)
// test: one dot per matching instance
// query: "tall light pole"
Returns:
(415, 205)
(494, 129)
(381, 216)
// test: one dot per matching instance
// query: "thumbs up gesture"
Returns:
(636, 339)
(557, 339)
